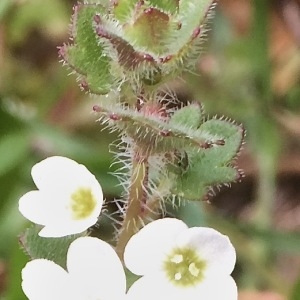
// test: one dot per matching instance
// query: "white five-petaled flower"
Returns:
(177, 262)
(94, 272)
(69, 199)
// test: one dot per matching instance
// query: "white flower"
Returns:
(94, 272)
(68, 200)
(178, 262)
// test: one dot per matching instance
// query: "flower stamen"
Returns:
(83, 203)
(184, 267)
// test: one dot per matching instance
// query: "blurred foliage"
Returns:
(249, 71)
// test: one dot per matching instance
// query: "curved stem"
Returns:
(137, 198)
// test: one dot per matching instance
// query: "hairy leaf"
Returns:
(54, 249)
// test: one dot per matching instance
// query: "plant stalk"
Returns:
(137, 199)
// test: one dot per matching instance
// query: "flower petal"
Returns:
(59, 179)
(66, 228)
(33, 207)
(218, 288)
(156, 286)
(146, 249)
(94, 265)
(213, 247)
(39, 208)
(62, 174)
(43, 279)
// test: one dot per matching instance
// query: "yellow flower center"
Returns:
(184, 267)
(83, 203)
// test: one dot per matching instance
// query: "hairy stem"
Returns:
(136, 204)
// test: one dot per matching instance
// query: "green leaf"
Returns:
(54, 249)
(184, 40)
(123, 9)
(232, 135)
(153, 132)
(193, 214)
(85, 56)
(196, 182)
(149, 30)
(189, 116)
(192, 14)
(170, 6)
(213, 166)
